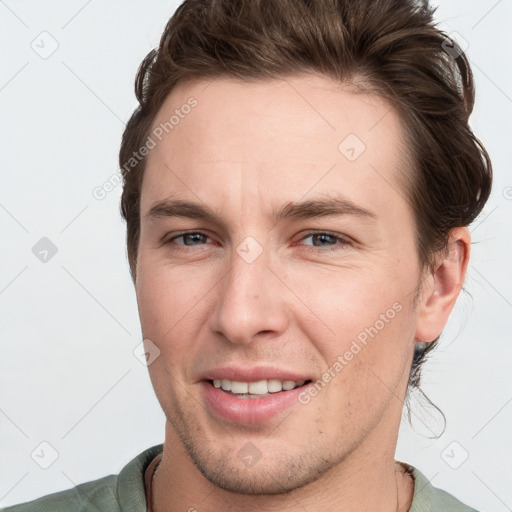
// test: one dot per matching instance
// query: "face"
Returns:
(294, 266)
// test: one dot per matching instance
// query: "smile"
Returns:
(226, 399)
(256, 389)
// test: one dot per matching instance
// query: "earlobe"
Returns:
(445, 284)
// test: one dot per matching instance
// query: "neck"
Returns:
(381, 485)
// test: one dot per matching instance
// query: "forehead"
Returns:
(273, 138)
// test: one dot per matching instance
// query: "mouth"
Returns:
(254, 402)
(252, 394)
(256, 389)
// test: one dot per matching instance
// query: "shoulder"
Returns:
(94, 495)
(113, 493)
(428, 498)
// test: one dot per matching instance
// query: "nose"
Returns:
(250, 301)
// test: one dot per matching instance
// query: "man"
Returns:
(298, 182)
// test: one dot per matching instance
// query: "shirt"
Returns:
(126, 492)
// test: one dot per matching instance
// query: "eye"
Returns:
(190, 239)
(322, 241)
(334, 242)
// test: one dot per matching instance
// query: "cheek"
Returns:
(170, 300)
(165, 302)
(349, 303)
(361, 325)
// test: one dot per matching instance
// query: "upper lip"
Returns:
(252, 374)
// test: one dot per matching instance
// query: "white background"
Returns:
(68, 328)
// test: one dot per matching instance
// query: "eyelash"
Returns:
(342, 241)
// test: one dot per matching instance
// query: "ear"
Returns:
(442, 286)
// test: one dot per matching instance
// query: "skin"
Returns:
(246, 149)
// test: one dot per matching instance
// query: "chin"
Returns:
(277, 477)
(277, 469)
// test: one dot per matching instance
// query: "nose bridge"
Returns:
(248, 302)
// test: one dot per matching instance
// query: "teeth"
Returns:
(288, 384)
(274, 385)
(260, 387)
(239, 387)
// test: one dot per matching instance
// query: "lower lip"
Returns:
(248, 410)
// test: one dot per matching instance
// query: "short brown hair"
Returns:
(387, 47)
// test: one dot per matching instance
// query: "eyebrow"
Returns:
(311, 209)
